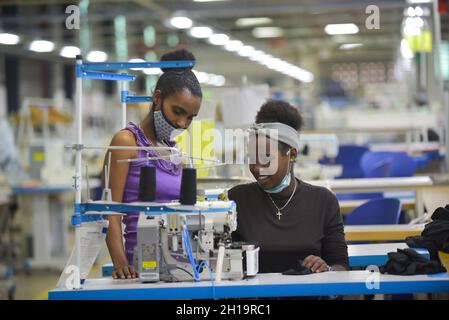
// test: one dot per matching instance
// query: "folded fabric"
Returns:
(409, 262)
(435, 236)
(299, 270)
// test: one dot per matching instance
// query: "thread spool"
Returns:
(147, 183)
(188, 186)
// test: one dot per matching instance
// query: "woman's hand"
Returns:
(316, 264)
(124, 272)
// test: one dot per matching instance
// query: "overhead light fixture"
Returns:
(208, 0)
(406, 52)
(218, 39)
(181, 22)
(69, 52)
(136, 60)
(419, 1)
(250, 22)
(152, 71)
(342, 28)
(268, 32)
(233, 45)
(246, 51)
(9, 39)
(201, 32)
(350, 46)
(42, 46)
(97, 56)
(216, 80)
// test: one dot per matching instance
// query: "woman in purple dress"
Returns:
(176, 101)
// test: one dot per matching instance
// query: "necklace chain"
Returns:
(279, 214)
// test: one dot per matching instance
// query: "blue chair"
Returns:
(377, 211)
(349, 157)
(373, 167)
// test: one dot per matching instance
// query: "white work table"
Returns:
(263, 285)
(416, 183)
(362, 255)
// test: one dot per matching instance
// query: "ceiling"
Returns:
(303, 43)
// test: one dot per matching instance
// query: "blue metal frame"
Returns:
(129, 97)
(90, 70)
(82, 210)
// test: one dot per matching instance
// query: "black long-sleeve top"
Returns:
(310, 224)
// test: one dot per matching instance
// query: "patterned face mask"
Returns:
(165, 130)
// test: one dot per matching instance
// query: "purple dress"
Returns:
(168, 184)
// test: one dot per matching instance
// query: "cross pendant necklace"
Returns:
(279, 213)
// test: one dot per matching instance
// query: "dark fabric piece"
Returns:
(441, 214)
(310, 225)
(435, 236)
(409, 262)
(299, 270)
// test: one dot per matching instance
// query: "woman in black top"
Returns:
(292, 221)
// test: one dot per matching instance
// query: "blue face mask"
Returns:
(284, 183)
(165, 131)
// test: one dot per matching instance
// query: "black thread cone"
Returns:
(147, 183)
(188, 186)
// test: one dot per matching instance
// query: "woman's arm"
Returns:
(334, 248)
(117, 181)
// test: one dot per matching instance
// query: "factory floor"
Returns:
(36, 284)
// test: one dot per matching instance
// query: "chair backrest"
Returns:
(376, 164)
(401, 165)
(349, 157)
(377, 211)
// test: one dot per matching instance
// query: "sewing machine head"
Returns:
(181, 246)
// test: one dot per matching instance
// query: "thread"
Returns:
(147, 183)
(188, 186)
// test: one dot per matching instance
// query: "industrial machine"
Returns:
(193, 245)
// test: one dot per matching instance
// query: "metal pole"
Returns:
(123, 105)
(78, 159)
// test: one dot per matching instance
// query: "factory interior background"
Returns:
(372, 75)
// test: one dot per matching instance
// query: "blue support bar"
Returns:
(129, 97)
(77, 219)
(151, 209)
(97, 66)
(105, 76)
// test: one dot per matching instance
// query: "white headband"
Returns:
(281, 132)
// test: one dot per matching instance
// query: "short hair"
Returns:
(283, 112)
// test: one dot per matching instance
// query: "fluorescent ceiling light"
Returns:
(201, 32)
(69, 52)
(349, 46)
(406, 52)
(152, 71)
(257, 55)
(419, 1)
(419, 11)
(97, 56)
(233, 45)
(218, 39)
(136, 60)
(42, 46)
(245, 51)
(202, 77)
(9, 39)
(268, 32)
(342, 28)
(181, 22)
(216, 80)
(250, 22)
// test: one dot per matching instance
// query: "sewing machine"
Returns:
(182, 246)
